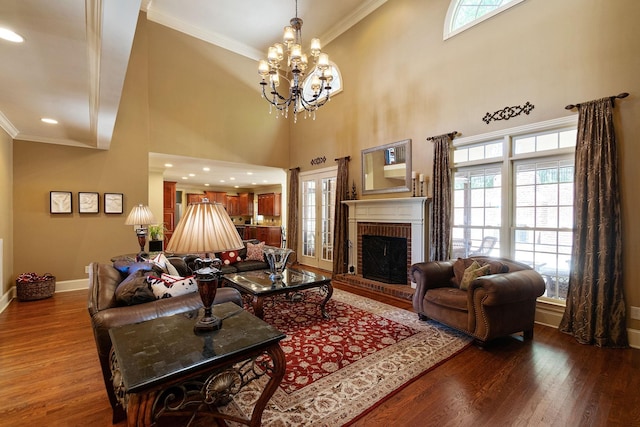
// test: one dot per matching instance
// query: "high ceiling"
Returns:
(72, 64)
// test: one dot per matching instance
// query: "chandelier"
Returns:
(317, 82)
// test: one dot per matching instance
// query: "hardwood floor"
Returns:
(50, 376)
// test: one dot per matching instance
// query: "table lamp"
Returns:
(140, 217)
(205, 228)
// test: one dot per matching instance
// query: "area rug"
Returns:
(342, 367)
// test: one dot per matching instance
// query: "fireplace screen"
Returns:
(384, 259)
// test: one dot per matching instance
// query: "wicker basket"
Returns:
(40, 289)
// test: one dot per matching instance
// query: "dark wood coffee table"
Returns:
(162, 368)
(257, 286)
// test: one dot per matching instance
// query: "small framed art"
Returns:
(88, 202)
(60, 202)
(113, 203)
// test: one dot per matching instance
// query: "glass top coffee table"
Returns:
(257, 286)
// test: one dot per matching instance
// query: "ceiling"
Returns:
(72, 64)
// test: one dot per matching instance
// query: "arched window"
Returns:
(464, 14)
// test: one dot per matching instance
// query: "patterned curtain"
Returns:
(441, 227)
(595, 312)
(292, 209)
(341, 223)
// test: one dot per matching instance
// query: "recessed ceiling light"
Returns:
(232, 179)
(184, 177)
(249, 173)
(253, 183)
(206, 169)
(49, 120)
(236, 186)
(192, 174)
(11, 36)
(206, 185)
(168, 165)
(222, 180)
(265, 181)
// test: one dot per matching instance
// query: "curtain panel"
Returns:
(595, 310)
(292, 209)
(341, 224)
(441, 227)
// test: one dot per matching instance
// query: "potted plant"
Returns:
(156, 237)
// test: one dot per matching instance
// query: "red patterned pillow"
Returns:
(255, 252)
(230, 257)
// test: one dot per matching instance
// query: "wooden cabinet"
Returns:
(272, 236)
(245, 202)
(269, 204)
(233, 205)
(194, 198)
(217, 196)
(168, 208)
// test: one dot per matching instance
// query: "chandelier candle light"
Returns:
(297, 63)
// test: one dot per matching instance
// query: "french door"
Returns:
(317, 207)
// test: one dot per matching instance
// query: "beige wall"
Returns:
(6, 212)
(401, 80)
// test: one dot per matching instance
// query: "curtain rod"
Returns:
(450, 135)
(619, 96)
(345, 157)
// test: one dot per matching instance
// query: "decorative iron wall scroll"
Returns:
(318, 161)
(508, 112)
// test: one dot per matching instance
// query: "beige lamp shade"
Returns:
(205, 228)
(140, 215)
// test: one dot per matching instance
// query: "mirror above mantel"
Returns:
(387, 168)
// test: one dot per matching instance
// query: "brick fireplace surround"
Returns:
(399, 217)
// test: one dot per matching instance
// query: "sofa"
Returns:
(117, 296)
(498, 301)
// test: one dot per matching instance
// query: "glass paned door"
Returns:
(318, 195)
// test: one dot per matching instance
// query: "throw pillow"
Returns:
(230, 257)
(255, 252)
(471, 273)
(134, 289)
(167, 286)
(166, 266)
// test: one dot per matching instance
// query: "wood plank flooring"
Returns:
(50, 376)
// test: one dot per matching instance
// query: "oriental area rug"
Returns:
(340, 368)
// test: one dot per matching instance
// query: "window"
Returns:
(513, 197)
(464, 14)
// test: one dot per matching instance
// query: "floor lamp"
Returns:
(205, 228)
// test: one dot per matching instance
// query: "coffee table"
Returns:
(256, 285)
(162, 368)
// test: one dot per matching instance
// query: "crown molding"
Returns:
(8, 126)
(350, 20)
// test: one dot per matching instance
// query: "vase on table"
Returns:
(277, 259)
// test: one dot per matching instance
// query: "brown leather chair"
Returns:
(494, 305)
(106, 313)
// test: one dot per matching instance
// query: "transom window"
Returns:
(464, 14)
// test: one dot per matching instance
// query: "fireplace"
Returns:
(384, 259)
(404, 218)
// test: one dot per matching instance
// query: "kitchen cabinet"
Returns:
(217, 196)
(272, 236)
(233, 205)
(168, 208)
(245, 202)
(269, 204)
(194, 198)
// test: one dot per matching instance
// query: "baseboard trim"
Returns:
(64, 286)
(551, 315)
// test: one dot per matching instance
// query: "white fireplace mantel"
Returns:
(411, 210)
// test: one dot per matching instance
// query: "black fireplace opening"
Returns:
(384, 259)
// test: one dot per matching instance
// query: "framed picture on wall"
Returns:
(88, 202)
(60, 202)
(113, 203)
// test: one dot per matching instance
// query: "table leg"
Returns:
(328, 288)
(139, 409)
(258, 309)
(279, 367)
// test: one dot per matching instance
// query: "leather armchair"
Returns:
(106, 313)
(493, 306)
